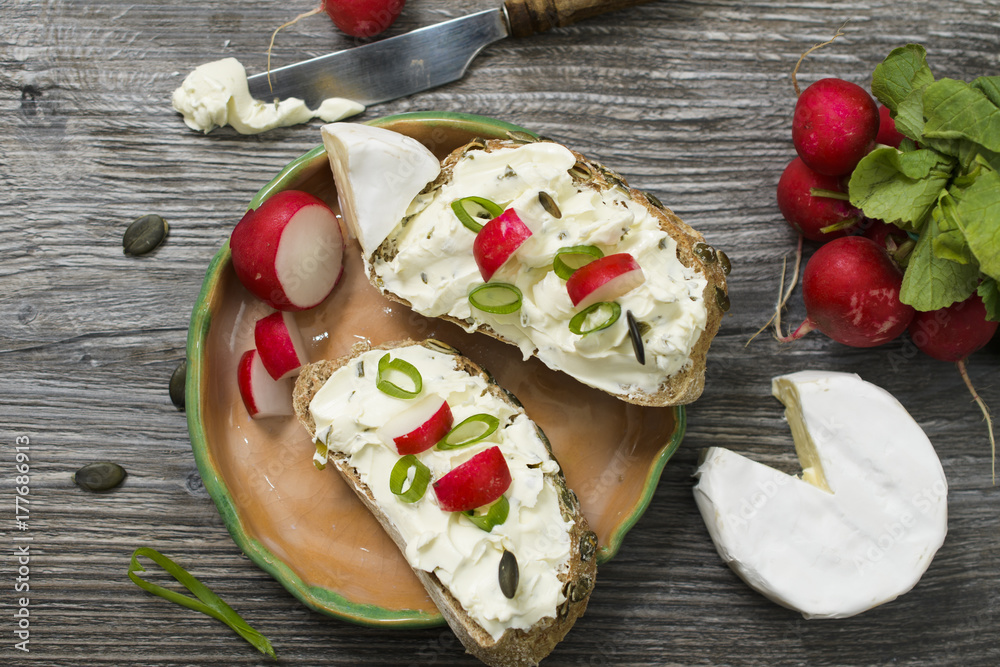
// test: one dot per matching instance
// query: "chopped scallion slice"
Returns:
(321, 455)
(415, 482)
(494, 516)
(595, 317)
(387, 365)
(470, 431)
(496, 298)
(207, 603)
(467, 209)
(571, 258)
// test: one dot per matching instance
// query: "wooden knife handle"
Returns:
(528, 17)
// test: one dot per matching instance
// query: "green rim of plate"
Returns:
(321, 599)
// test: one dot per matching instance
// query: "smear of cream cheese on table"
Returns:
(217, 94)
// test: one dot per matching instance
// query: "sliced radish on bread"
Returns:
(419, 427)
(289, 251)
(497, 242)
(262, 395)
(604, 279)
(477, 482)
(280, 345)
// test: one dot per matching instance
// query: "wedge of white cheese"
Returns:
(862, 524)
(378, 173)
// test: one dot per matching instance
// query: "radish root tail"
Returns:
(783, 295)
(311, 12)
(986, 414)
(795, 80)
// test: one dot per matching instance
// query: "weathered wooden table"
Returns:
(689, 99)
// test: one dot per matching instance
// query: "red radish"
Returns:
(952, 334)
(497, 242)
(810, 213)
(955, 332)
(262, 395)
(477, 482)
(419, 427)
(363, 18)
(885, 235)
(604, 279)
(888, 135)
(851, 292)
(289, 251)
(834, 125)
(279, 345)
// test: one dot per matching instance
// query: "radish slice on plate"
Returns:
(288, 252)
(419, 427)
(497, 242)
(604, 279)
(279, 345)
(477, 482)
(262, 395)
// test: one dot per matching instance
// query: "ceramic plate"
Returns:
(304, 526)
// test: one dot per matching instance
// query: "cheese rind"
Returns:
(378, 173)
(859, 530)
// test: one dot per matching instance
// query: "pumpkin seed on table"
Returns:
(178, 379)
(101, 476)
(144, 234)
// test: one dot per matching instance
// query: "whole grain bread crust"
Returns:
(515, 647)
(682, 387)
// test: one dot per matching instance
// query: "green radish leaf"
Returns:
(909, 114)
(977, 214)
(931, 282)
(897, 187)
(903, 71)
(989, 292)
(956, 110)
(989, 86)
(949, 242)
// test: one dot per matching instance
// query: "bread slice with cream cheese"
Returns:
(653, 353)
(339, 403)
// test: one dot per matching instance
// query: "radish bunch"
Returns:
(851, 284)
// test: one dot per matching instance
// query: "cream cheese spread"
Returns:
(434, 268)
(217, 94)
(348, 411)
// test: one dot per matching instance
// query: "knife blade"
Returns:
(420, 59)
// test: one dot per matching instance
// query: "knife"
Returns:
(421, 59)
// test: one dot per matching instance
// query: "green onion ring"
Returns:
(576, 324)
(489, 422)
(385, 365)
(399, 474)
(496, 298)
(207, 603)
(460, 207)
(564, 270)
(494, 516)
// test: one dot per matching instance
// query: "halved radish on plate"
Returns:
(280, 345)
(288, 252)
(477, 482)
(604, 279)
(419, 427)
(262, 395)
(497, 242)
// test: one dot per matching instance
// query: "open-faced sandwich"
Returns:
(464, 483)
(534, 244)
